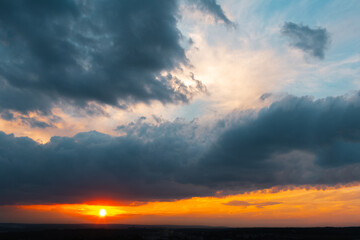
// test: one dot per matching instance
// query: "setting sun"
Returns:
(102, 212)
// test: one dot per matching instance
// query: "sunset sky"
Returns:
(182, 112)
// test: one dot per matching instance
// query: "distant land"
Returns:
(120, 231)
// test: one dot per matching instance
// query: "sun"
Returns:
(102, 212)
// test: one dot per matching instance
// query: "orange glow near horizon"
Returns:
(296, 207)
(79, 209)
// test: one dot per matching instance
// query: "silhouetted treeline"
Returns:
(109, 232)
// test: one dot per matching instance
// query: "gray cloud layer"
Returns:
(312, 41)
(111, 52)
(295, 141)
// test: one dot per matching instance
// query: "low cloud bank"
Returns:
(294, 141)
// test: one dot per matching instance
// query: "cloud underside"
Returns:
(110, 52)
(311, 41)
(294, 141)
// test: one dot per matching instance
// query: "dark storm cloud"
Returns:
(141, 166)
(294, 141)
(111, 52)
(213, 8)
(312, 41)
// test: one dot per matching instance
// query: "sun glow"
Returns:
(102, 212)
(338, 205)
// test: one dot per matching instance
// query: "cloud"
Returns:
(109, 52)
(35, 123)
(214, 9)
(246, 204)
(6, 115)
(312, 41)
(140, 165)
(294, 141)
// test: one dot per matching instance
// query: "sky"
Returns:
(184, 112)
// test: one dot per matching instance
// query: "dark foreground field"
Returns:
(39, 232)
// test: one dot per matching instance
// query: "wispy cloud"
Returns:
(246, 204)
(214, 9)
